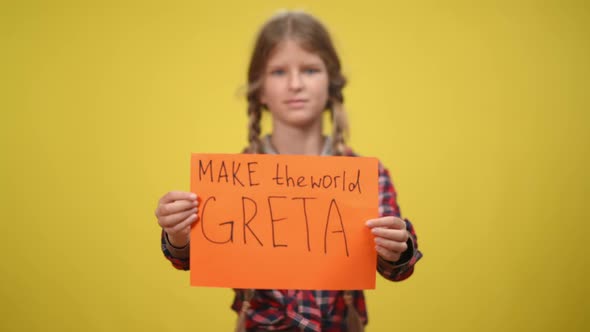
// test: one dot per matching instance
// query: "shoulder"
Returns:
(349, 152)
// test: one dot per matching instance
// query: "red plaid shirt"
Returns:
(317, 310)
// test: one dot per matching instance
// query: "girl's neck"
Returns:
(296, 141)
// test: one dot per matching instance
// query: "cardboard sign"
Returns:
(284, 222)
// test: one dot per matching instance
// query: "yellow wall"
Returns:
(479, 109)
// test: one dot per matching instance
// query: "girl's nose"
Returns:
(295, 82)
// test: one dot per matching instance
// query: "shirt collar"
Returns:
(268, 148)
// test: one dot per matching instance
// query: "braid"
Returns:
(339, 119)
(254, 130)
(339, 128)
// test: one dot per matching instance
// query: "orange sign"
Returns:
(283, 222)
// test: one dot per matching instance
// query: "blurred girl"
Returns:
(295, 75)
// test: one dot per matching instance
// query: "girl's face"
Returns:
(295, 86)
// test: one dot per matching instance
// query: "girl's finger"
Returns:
(176, 196)
(387, 254)
(184, 226)
(391, 234)
(175, 207)
(388, 222)
(174, 219)
(398, 247)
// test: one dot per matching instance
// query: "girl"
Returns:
(295, 75)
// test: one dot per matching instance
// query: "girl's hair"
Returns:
(312, 36)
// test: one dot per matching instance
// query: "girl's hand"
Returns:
(176, 212)
(390, 237)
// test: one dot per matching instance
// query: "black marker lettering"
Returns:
(306, 221)
(273, 220)
(333, 203)
(222, 173)
(324, 181)
(250, 171)
(289, 179)
(316, 185)
(231, 225)
(357, 184)
(235, 173)
(203, 172)
(277, 177)
(336, 181)
(300, 180)
(247, 223)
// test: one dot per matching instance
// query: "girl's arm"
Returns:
(179, 257)
(404, 266)
(176, 212)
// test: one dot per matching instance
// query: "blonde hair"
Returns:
(312, 36)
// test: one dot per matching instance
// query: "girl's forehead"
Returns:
(292, 51)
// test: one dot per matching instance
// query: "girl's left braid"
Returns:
(254, 130)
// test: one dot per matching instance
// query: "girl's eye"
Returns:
(277, 72)
(310, 70)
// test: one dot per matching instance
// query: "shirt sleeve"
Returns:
(179, 257)
(404, 267)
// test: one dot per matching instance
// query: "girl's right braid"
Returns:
(254, 130)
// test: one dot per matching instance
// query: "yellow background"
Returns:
(479, 109)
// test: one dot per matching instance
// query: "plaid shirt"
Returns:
(315, 310)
